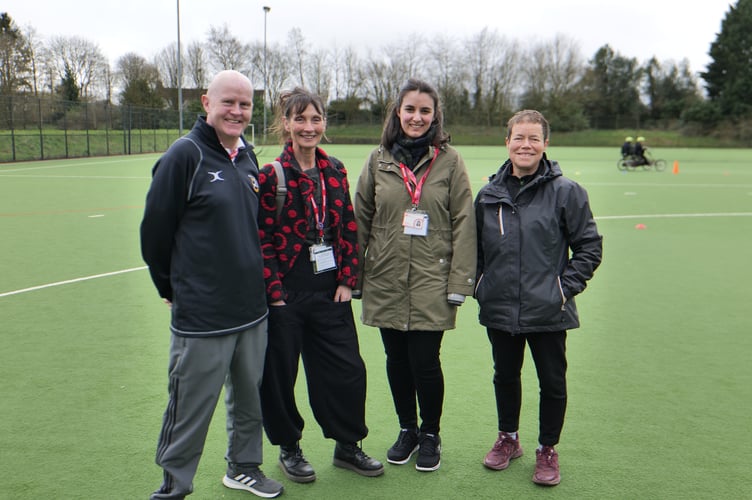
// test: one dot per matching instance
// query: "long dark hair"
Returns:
(392, 125)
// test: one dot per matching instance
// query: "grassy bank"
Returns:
(51, 144)
(493, 136)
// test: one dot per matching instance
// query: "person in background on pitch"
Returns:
(530, 219)
(416, 237)
(639, 151)
(627, 149)
(310, 252)
(200, 239)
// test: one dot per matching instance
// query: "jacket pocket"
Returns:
(543, 305)
(477, 285)
(561, 293)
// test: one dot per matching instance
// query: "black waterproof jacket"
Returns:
(200, 238)
(527, 279)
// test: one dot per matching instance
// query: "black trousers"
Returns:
(549, 354)
(324, 333)
(413, 368)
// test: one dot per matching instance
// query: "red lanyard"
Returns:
(410, 180)
(320, 217)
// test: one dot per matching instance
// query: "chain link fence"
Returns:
(41, 128)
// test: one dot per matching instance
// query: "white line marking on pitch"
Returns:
(63, 165)
(674, 216)
(76, 280)
(605, 217)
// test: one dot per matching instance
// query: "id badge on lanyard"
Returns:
(322, 255)
(415, 222)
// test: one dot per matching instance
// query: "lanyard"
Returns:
(320, 216)
(410, 180)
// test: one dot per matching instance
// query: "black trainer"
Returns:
(294, 465)
(404, 447)
(429, 454)
(350, 456)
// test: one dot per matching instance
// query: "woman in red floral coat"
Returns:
(310, 262)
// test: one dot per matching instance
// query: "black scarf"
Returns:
(409, 151)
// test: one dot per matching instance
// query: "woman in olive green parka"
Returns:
(406, 279)
(417, 258)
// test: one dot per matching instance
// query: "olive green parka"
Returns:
(405, 279)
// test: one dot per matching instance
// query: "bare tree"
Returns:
(83, 58)
(278, 70)
(108, 82)
(47, 70)
(227, 52)
(444, 62)
(35, 50)
(141, 83)
(347, 73)
(166, 62)
(195, 65)
(386, 73)
(379, 86)
(445, 65)
(256, 71)
(553, 67)
(319, 78)
(493, 75)
(553, 73)
(297, 47)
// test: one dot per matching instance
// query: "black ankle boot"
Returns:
(350, 456)
(294, 465)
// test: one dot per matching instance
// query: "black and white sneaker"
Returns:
(429, 453)
(403, 448)
(253, 480)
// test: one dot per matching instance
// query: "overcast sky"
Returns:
(667, 29)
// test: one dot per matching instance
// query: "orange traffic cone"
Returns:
(676, 166)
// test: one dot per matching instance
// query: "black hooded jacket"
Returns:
(527, 279)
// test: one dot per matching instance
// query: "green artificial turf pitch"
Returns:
(660, 377)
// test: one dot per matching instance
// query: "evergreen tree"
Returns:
(729, 76)
(68, 89)
(670, 89)
(15, 57)
(611, 90)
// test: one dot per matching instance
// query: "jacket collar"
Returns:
(209, 135)
(550, 170)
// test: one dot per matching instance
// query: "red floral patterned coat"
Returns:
(283, 241)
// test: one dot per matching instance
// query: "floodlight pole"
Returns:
(266, 81)
(180, 80)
